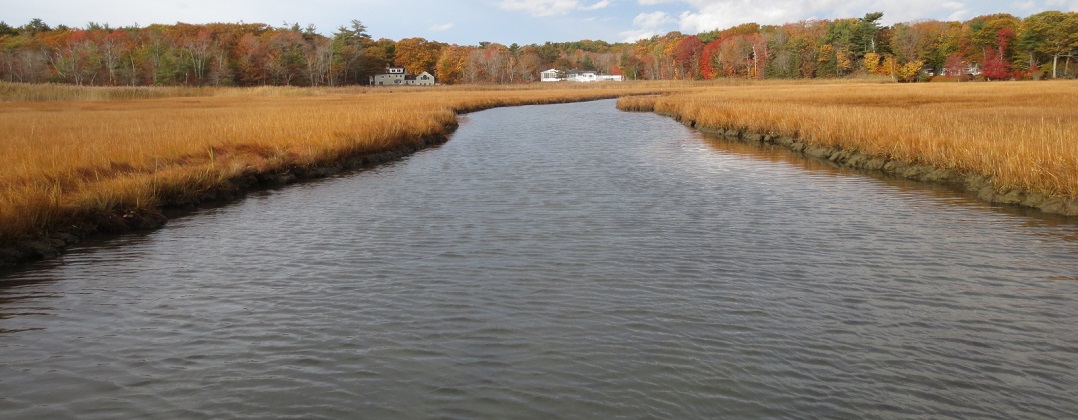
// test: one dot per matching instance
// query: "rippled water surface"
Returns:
(560, 261)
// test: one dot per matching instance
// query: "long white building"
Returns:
(555, 75)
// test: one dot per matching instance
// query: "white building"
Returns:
(421, 79)
(397, 76)
(553, 75)
(394, 76)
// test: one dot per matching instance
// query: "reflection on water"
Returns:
(560, 261)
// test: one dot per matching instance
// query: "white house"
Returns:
(553, 75)
(394, 76)
(397, 76)
(421, 79)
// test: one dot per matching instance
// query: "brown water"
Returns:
(565, 261)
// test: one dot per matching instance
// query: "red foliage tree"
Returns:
(687, 57)
(710, 66)
(996, 66)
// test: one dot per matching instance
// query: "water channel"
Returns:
(562, 261)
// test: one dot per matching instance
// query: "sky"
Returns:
(468, 22)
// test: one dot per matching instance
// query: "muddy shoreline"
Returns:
(90, 225)
(979, 186)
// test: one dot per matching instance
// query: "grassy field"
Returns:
(1020, 134)
(70, 151)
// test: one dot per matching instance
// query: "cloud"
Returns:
(652, 20)
(441, 28)
(550, 7)
(602, 4)
(647, 25)
(707, 15)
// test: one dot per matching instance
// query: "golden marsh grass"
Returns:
(1022, 135)
(66, 152)
(69, 151)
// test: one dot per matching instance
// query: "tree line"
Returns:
(992, 47)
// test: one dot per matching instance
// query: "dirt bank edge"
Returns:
(977, 185)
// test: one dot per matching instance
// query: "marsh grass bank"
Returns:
(77, 161)
(1011, 143)
(74, 164)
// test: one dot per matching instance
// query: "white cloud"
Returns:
(706, 15)
(443, 27)
(647, 25)
(602, 4)
(634, 35)
(652, 20)
(955, 11)
(550, 7)
(709, 15)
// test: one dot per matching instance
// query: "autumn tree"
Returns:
(980, 36)
(929, 41)
(687, 57)
(284, 58)
(997, 46)
(794, 49)
(492, 63)
(451, 64)
(872, 63)
(24, 58)
(197, 47)
(76, 58)
(630, 64)
(417, 55)
(318, 61)
(529, 64)
(996, 65)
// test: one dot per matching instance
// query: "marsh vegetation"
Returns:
(69, 151)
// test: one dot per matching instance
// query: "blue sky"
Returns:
(507, 21)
